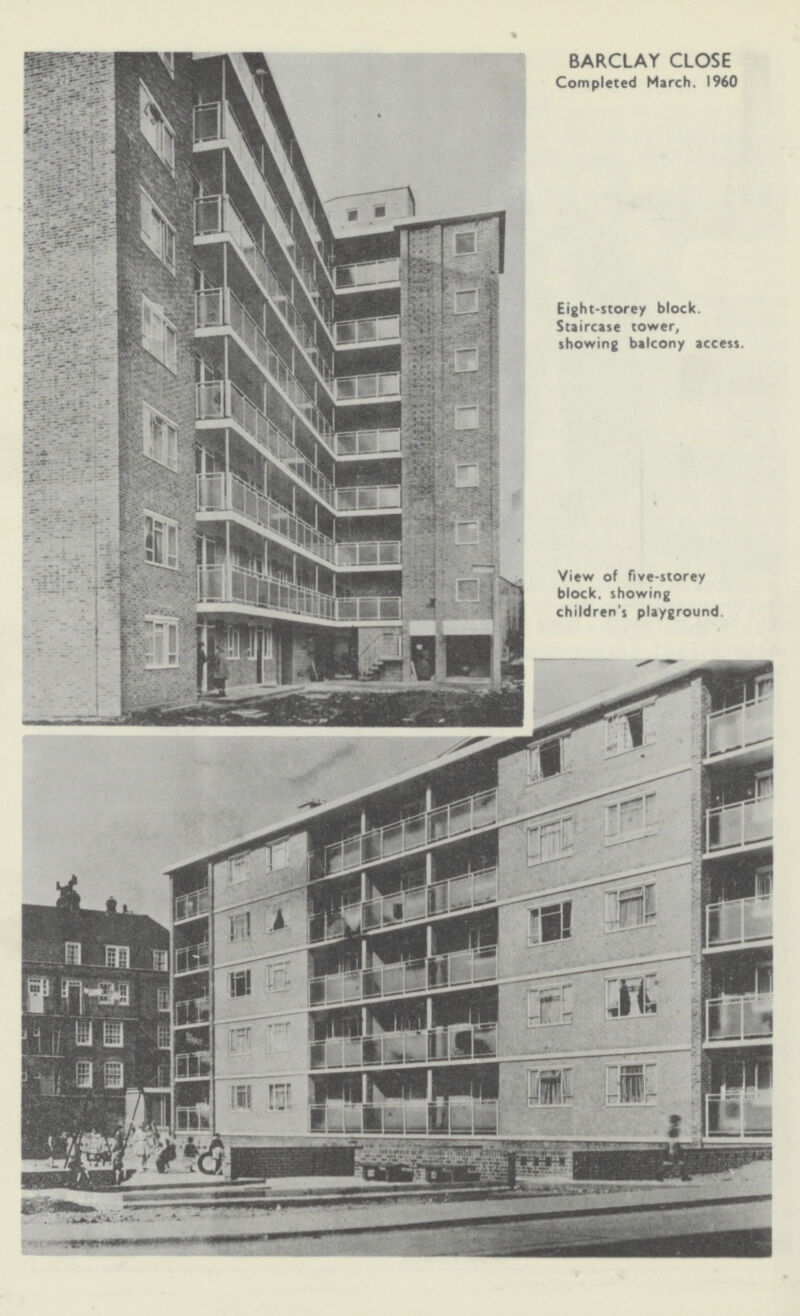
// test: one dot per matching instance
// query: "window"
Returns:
(240, 926)
(549, 1087)
(630, 907)
(40, 987)
(113, 993)
(279, 1096)
(352, 216)
(83, 1074)
(160, 438)
(550, 1005)
(631, 996)
(277, 855)
(278, 976)
(763, 687)
(234, 642)
(241, 1096)
(549, 840)
(83, 1032)
(162, 995)
(161, 641)
(630, 728)
(159, 336)
(550, 923)
(238, 868)
(72, 952)
(467, 590)
(277, 918)
(157, 232)
(67, 985)
(160, 541)
(252, 642)
(465, 301)
(168, 59)
(379, 212)
(466, 418)
(112, 1033)
(278, 1037)
(239, 983)
(549, 758)
(466, 358)
(465, 242)
(631, 1085)
(467, 475)
(240, 1040)
(156, 128)
(162, 1037)
(162, 1076)
(117, 957)
(467, 532)
(630, 818)
(161, 960)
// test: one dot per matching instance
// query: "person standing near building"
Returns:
(221, 669)
(202, 659)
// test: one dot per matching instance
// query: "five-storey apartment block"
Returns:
(561, 941)
(252, 420)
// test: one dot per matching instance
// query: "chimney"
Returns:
(124, 909)
(111, 905)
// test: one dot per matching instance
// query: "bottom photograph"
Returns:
(395, 995)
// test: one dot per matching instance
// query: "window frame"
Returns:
(468, 484)
(535, 774)
(166, 626)
(169, 532)
(535, 916)
(616, 719)
(161, 134)
(84, 1026)
(468, 580)
(119, 958)
(273, 1103)
(240, 1097)
(460, 529)
(278, 1029)
(642, 979)
(271, 914)
(160, 996)
(612, 923)
(233, 643)
(246, 977)
(272, 848)
(241, 917)
(278, 975)
(160, 960)
(460, 410)
(565, 1083)
(566, 847)
(110, 1027)
(465, 292)
(351, 215)
(379, 211)
(242, 1032)
(72, 953)
(168, 442)
(649, 1084)
(165, 350)
(160, 1030)
(164, 245)
(465, 370)
(471, 232)
(615, 835)
(88, 1069)
(566, 1007)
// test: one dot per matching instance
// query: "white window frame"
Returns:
(278, 976)
(565, 993)
(37, 985)
(157, 234)
(461, 529)
(239, 926)
(566, 841)
(614, 815)
(271, 914)
(646, 982)
(618, 737)
(240, 1040)
(649, 1084)
(84, 1067)
(462, 352)
(161, 994)
(465, 233)
(278, 1036)
(159, 335)
(246, 976)
(117, 957)
(276, 854)
(763, 687)
(164, 448)
(461, 482)
(534, 757)
(156, 128)
(233, 642)
(240, 1096)
(460, 412)
(83, 1032)
(465, 292)
(113, 1028)
(72, 952)
(647, 891)
(111, 989)
(535, 1083)
(379, 211)
(468, 580)
(160, 961)
(279, 1097)
(164, 530)
(163, 1040)
(238, 867)
(167, 629)
(535, 915)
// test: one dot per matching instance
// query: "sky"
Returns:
(119, 809)
(452, 127)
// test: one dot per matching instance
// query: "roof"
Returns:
(424, 221)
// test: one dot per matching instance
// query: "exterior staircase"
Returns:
(385, 648)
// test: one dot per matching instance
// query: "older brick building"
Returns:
(95, 1019)
(251, 419)
(525, 945)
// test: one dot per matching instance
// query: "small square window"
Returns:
(467, 475)
(239, 983)
(549, 758)
(279, 1096)
(465, 242)
(352, 216)
(240, 1040)
(241, 1096)
(466, 358)
(467, 532)
(467, 590)
(466, 418)
(379, 212)
(465, 301)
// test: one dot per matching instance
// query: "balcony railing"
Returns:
(354, 388)
(734, 922)
(454, 895)
(449, 820)
(373, 330)
(462, 1116)
(217, 307)
(369, 498)
(368, 272)
(738, 1018)
(192, 904)
(192, 1119)
(454, 1042)
(222, 584)
(197, 1010)
(193, 1064)
(735, 728)
(227, 493)
(735, 1115)
(369, 608)
(188, 959)
(743, 823)
(368, 443)
(458, 968)
(217, 215)
(379, 553)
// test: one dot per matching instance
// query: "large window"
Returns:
(239, 983)
(550, 923)
(629, 818)
(240, 1040)
(278, 975)
(278, 1036)
(549, 840)
(159, 336)
(549, 758)
(118, 957)
(83, 1032)
(156, 128)
(114, 993)
(112, 1032)
(160, 541)
(629, 996)
(160, 438)
(157, 232)
(549, 1087)
(240, 926)
(241, 1096)
(72, 952)
(630, 728)
(279, 1096)
(550, 1005)
(630, 907)
(161, 634)
(631, 1085)
(83, 1074)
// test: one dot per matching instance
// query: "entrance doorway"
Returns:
(423, 656)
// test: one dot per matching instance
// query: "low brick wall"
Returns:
(284, 1162)
(490, 1161)
(631, 1163)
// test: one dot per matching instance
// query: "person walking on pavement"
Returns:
(674, 1162)
(118, 1157)
(190, 1153)
(217, 1150)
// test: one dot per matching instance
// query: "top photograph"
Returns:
(274, 389)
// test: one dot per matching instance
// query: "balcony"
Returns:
(192, 1119)
(735, 1115)
(462, 1116)
(738, 1018)
(219, 308)
(193, 1064)
(441, 824)
(217, 215)
(367, 274)
(192, 904)
(367, 607)
(222, 584)
(368, 443)
(735, 922)
(736, 728)
(378, 553)
(460, 968)
(358, 333)
(189, 959)
(453, 896)
(369, 498)
(227, 493)
(453, 1043)
(365, 388)
(332, 926)
(732, 826)
(197, 1010)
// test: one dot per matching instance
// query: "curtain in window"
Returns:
(631, 1086)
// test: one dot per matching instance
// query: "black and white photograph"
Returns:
(330, 996)
(274, 347)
